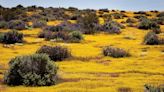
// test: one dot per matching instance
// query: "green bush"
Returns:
(3, 24)
(131, 20)
(39, 24)
(88, 23)
(12, 36)
(115, 52)
(1, 37)
(75, 36)
(160, 14)
(31, 70)
(148, 24)
(16, 24)
(149, 88)
(156, 30)
(56, 53)
(151, 38)
(111, 28)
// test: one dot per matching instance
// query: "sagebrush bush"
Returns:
(148, 24)
(115, 52)
(149, 88)
(31, 70)
(131, 20)
(111, 28)
(53, 28)
(160, 14)
(75, 36)
(156, 30)
(57, 53)
(151, 38)
(117, 15)
(3, 24)
(12, 36)
(38, 24)
(88, 23)
(1, 37)
(16, 24)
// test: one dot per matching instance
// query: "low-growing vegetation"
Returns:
(115, 52)
(31, 70)
(11, 37)
(56, 53)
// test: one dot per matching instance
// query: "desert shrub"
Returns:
(16, 24)
(140, 17)
(160, 14)
(156, 30)
(151, 38)
(148, 24)
(88, 23)
(118, 24)
(131, 20)
(1, 37)
(161, 41)
(31, 70)
(56, 53)
(53, 28)
(131, 25)
(75, 36)
(160, 20)
(39, 24)
(118, 15)
(104, 10)
(12, 37)
(140, 12)
(149, 88)
(115, 52)
(3, 24)
(107, 17)
(61, 35)
(111, 28)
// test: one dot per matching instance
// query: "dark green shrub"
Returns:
(149, 88)
(3, 24)
(115, 52)
(75, 36)
(88, 23)
(148, 24)
(16, 24)
(12, 37)
(56, 53)
(31, 70)
(151, 38)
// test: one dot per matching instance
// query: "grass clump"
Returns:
(31, 70)
(115, 52)
(57, 53)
